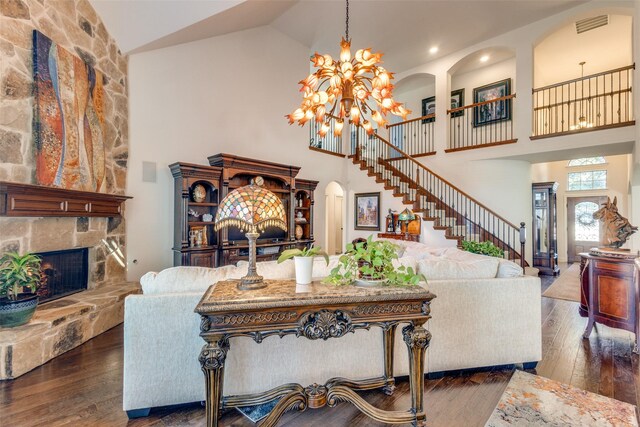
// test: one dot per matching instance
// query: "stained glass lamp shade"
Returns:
(406, 216)
(252, 209)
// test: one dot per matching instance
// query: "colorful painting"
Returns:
(69, 118)
(367, 211)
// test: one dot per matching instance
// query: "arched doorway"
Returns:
(334, 195)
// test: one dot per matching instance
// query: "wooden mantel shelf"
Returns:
(35, 200)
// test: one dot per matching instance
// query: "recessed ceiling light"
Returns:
(484, 58)
(433, 50)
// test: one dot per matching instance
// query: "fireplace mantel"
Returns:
(19, 200)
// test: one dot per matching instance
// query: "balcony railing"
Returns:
(483, 124)
(415, 136)
(598, 101)
(330, 143)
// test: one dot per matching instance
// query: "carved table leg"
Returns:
(417, 339)
(212, 358)
(388, 340)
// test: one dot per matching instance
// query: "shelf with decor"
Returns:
(281, 180)
(196, 197)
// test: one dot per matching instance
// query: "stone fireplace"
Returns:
(64, 323)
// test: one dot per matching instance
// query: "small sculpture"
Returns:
(617, 228)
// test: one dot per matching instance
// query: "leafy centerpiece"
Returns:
(370, 262)
(482, 248)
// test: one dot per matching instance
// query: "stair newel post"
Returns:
(523, 240)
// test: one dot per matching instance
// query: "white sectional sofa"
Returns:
(485, 314)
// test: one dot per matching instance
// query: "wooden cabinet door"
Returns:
(206, 259)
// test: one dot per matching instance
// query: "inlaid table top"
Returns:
(225, 295)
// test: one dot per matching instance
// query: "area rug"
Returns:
(531, 400)
(567, 286)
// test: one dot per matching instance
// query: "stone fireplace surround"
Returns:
(63, 324)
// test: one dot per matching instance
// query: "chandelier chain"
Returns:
(346, 31)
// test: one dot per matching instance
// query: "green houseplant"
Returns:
(370, 262)
(19, 279)
(484, 248)
(303, 259)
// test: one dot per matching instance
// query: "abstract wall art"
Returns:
(69, 118)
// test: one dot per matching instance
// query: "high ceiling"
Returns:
(403, 30)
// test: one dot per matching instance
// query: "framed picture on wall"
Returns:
(457, 101)
(428, 108)
(492, 111)
(367, 211)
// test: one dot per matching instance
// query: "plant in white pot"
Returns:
(303, 259)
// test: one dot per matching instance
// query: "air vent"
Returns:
(591, 23)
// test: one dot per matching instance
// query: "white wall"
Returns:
(411, 91)
(617, 186)
(202, 98)
(556, 58)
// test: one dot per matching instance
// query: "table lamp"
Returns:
(406, 216)
(251, 209)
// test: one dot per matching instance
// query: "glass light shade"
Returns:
(407, 215)
(251, 208)
(352, 87)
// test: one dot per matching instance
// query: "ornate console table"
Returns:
(316, 312)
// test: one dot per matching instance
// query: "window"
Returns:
(587, 229)
(586, 161)
(587, 180)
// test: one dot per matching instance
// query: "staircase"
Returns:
(459, 215)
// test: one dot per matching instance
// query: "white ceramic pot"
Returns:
(304, 269)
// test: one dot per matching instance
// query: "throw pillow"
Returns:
(185, 279)
(443, 269)
(508, 268)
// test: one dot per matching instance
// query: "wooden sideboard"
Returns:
(610, 293)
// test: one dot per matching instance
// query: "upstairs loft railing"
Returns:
(483, 124)
(330, 143)
(416, 136)
(434, 196)
(598, 101)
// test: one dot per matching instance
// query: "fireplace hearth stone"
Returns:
(60, 326)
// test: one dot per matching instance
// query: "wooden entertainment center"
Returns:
(197, 191)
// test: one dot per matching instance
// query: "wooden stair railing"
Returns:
(416, 136)
(461, 216)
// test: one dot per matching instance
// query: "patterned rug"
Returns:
(530, 400)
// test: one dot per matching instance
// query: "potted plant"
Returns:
(370, 262)
(19, 279)
(303, 259)
(485, 248)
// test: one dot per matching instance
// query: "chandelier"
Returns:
(582, 120)
(353, 88)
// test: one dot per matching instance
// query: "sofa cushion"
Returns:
(439, 268)
(271, 269)
(320, 267)
(508, 268)
(186, 279)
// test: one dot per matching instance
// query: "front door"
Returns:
(583, 232)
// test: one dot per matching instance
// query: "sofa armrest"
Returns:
(159, 331)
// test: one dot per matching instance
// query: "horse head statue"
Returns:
(617, 228)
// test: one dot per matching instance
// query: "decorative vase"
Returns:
(304, 269)
(299, 232)
(199, 193)
(16, 313)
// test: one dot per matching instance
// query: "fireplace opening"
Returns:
(64, 273)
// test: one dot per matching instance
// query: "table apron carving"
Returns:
(315, 322)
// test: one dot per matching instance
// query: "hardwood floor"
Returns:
(84, 386)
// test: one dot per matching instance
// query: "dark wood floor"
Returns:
(84, 386)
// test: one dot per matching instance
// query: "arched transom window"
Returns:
(586, 161)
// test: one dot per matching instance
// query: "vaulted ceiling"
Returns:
(403, 30)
